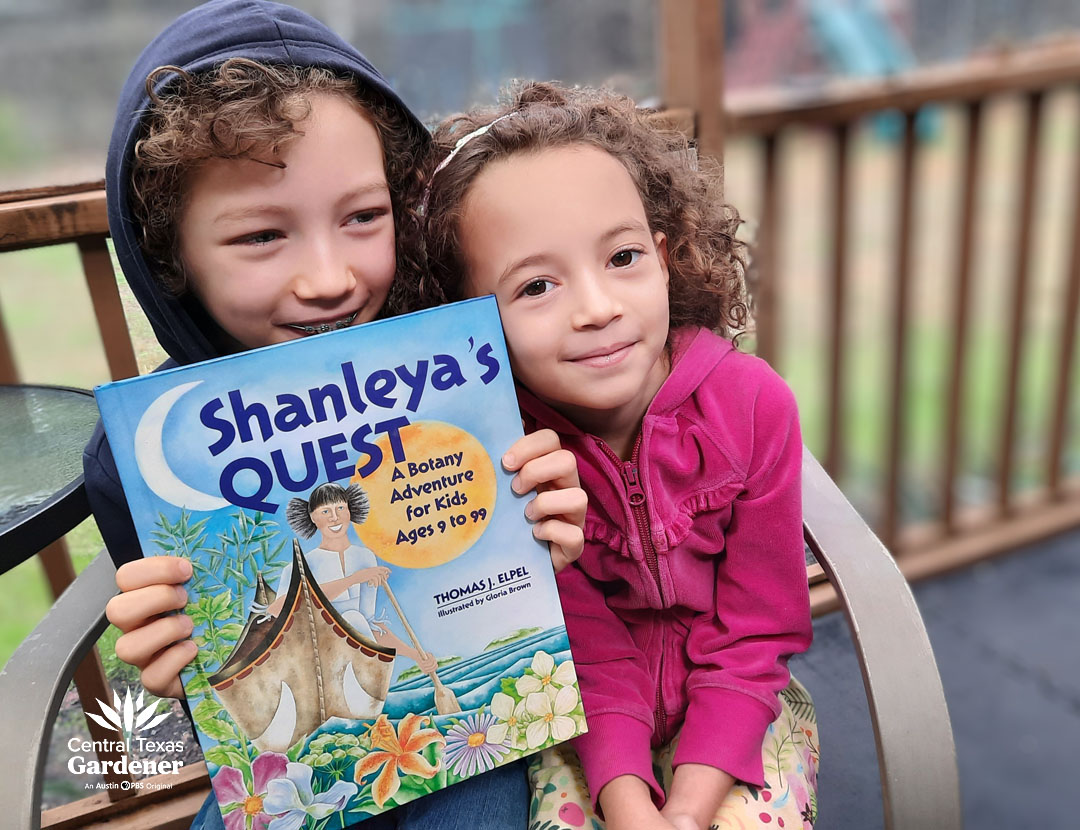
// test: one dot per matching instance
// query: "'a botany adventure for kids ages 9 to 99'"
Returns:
(375, 620)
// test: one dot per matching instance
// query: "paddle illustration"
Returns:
(446, 702)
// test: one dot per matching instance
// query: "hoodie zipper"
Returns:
(635, 495)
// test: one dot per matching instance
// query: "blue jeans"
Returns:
(496, 800)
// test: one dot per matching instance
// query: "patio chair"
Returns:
(916, 755)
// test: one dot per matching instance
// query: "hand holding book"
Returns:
(558, 510)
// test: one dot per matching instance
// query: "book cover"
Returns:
(342, 502)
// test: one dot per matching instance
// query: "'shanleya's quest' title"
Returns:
(326, 458)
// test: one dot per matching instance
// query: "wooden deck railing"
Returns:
(952, 536)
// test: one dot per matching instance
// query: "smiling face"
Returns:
(332, 520)
(275, 253)
(561, 239)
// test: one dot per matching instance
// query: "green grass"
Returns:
(25, 594)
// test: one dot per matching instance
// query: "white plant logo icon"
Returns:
(128, 716)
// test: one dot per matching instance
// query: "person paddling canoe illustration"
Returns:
(347, 572)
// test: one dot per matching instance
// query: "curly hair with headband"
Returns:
(683, 200)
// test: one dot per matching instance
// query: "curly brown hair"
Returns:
(707, 264)
(244, 109)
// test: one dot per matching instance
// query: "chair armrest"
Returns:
(33, 683)
(916, 755)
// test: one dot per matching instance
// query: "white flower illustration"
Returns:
(550, 716)
(548, 679)
(510, 720)
(293, 801)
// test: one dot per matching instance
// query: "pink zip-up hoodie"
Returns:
(691, 593)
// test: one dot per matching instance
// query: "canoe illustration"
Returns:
(288, 674)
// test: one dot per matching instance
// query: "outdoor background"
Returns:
(62, 63)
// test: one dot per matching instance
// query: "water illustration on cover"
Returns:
(375, 620)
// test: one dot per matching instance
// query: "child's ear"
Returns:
(660, 241)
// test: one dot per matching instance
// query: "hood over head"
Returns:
(201, 39)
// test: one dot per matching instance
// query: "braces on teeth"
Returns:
(323, 328)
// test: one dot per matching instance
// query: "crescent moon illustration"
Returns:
(150, 456)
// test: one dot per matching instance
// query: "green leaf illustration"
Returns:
(218, 729)
(226, 755)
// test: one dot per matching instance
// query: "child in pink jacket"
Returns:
(614, 263)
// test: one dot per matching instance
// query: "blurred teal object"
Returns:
(858, 40)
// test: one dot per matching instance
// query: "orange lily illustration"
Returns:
(397, 751)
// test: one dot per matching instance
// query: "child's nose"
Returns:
(324, 274)
(595, 305)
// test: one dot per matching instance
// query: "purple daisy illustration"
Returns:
(468, 750)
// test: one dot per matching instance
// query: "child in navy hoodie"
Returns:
(261, 184)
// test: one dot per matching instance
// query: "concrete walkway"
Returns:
(1005, 637)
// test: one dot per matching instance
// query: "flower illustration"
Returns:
(809, 757)
(548, 679)
(510, 721)
(292, 800)
(333, 754)
(398, 751)
(245, 809)
(550, 716)
(470, 748)
(801, 790)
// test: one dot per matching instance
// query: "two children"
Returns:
(260, 181)
(613, 260)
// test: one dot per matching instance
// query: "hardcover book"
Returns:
(375, 620)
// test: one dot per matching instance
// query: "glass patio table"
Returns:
(43, 430)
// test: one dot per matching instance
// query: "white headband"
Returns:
(461, 142)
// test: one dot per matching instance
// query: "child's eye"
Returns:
(534, 288)
(364, 217)
(258, 238)
(625, 258)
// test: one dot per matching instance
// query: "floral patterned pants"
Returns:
(560, 797)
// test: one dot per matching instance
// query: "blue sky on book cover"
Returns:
(295, 687)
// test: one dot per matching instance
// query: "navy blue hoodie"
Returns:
(199, 40)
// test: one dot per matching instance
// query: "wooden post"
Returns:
(8, 371)
(954, 412)
(838, 294)
(691, 66)
(897, 379)
(1063, 386)
(101, 281)
(1021, 276)
(766, 293)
